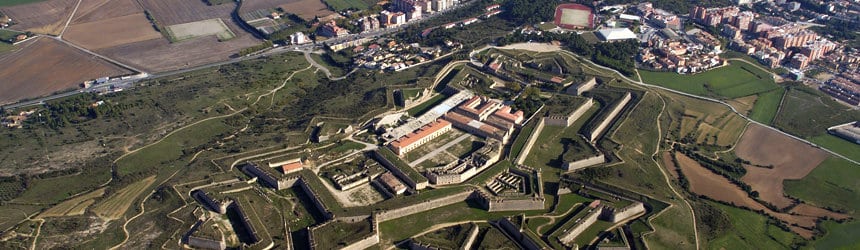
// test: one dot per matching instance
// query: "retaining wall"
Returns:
(612, 114)
(471, 240)
(396, 171)
(579, 227)
(532, 139)
(197, 242)
(526, 242)
(423, 206)
(587, 162)
(572, 117)
(315, 199)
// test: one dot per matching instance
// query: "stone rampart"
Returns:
(608, 120)
(584, 163)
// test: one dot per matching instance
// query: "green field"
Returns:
(832, 184)
(171, 148)
(549, 146)
(750, 231)
(738, 79)
(808, 113)
(839, 236)
(341, 5)
(6, 35)
(838, 145)
(17, 2)
(766, 106)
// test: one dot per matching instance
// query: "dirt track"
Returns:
(47, 66)
(791, 159)
(46, 17)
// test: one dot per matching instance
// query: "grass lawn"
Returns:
(341, 5)
(592, 232)
(447, 238)
(839, 236)
(735, 80)
(838, 145)
(549, 147)
(765, 107)
(807, 113)
(493, 238)
(405, 227)
(56, 189)
(750, 231)
(534, 223)
(832, 184)
(171, 147)
(522, 138)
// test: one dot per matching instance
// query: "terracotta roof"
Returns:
(505, 113)
(422, 132)
(292, 167)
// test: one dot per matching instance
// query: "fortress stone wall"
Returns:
(315, 199)
(569, 119)
(584, 163)
(531, 142)
(400, 174)
(518, 235)
(203, 243)
(612, 114)
(580, 88)
(621, 214)
(423, 206)
(580, 226)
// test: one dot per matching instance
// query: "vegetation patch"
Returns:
(118, 203)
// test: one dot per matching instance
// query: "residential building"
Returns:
(330, 29)
(298, 38)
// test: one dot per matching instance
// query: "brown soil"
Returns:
(46, 17)
(809, 210)
(744, 104)
(170, 12)
(790, 158)
(307, 9)
(707, 183)
(670, 166)
(97, 10)
(122, 30)
(159, 55)
(47, 66)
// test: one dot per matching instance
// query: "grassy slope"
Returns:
(171, 148)
(808, 113)
(749, 231)
(766, 106)
(735, 80)
(673, 228)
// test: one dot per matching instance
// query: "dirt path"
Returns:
(66, 26)
(38, 231)
(666, 176)
(142, 211)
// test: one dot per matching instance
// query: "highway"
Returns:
(304, 48)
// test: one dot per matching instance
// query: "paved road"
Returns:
(273, 51)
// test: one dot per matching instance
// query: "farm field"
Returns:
(97, 10)
(74, 206)
(44, 17)
(118, 203)
(68, 67)
(307, 9)
(123, 30)
(749, 231)
(832, 184)
(839, 236)
(808, 113)
(704, 182)
(252, 5)
(159, 55)
(792, 159)
(766, 105)
(341, 5)
(186, 31)
(707, 123)
(172, 12)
